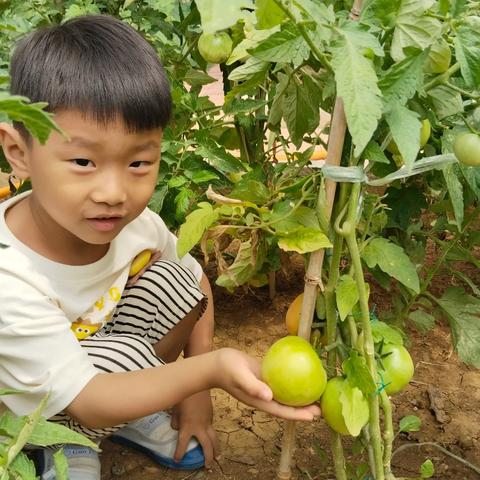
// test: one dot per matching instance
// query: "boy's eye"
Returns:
(82, 162)
(139, 163)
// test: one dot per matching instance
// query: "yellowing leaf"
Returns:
(304, 240)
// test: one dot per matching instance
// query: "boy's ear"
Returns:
(15, 149)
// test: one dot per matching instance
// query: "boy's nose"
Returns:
(110, 190)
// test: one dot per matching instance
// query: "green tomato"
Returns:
(331, 406)
(466, 147)
(215, 47)
(397, 367)
(425, 132)
(294, 372)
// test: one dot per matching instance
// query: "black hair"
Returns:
(95, 64)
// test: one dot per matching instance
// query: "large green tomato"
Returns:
(215, 47)
(397, 367)
(466, 147)
(331, 406)
(294, 372)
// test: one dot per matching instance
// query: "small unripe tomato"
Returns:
(466, 147)
(397, 369)
(215, 47)
(294, 372)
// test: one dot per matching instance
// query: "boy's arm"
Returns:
(193, 416)
(113, 398)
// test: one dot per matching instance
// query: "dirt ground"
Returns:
(445, 394)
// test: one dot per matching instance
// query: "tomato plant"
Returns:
(294, 372)
(467, 149)
(396, 367)
(215, 47)
(407, 76)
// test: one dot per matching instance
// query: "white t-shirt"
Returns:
(42, 304)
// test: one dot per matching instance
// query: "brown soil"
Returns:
(445, 394)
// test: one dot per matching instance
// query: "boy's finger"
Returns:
(216, 445)
(182, 443)
(254, 387)
(207, 447)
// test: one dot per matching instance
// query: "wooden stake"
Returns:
(313, 279)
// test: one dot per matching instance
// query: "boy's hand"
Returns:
(240, 376)
(193, 418)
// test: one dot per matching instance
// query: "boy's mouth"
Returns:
(105, 224)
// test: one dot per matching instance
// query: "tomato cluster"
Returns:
(294, 371)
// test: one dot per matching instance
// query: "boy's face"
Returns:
(88, 187)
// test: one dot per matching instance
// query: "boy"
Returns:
(78, 319)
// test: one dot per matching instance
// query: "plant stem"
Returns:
(442, 78)
(338, 457)
(388, 435)
(475, 468)
(348, 229)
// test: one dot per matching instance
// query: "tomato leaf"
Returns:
(404, 205)
(219, 158)
(250, 191)
(356, 82)
(250, 67)
(402, 80)
(413, 28)
(405, 127)
(249, 260)
(304, 240)
(23, 467)
(467, 51)
(268, 13)
(300, 109)
(36, 120)
(463, 313)
(44, 433)
(358, 374)
(284, 221)
(346, 293)
(61, 465)
(374, 153)
(284, 46)
(410, 423)
(446, 101)
(318, 11)
(393, 260)
(422, 320)
(455, 191)
(355, 412)
(232, 11)
(194, 227)
(383, 332)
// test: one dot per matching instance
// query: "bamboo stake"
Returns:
(313, 275)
